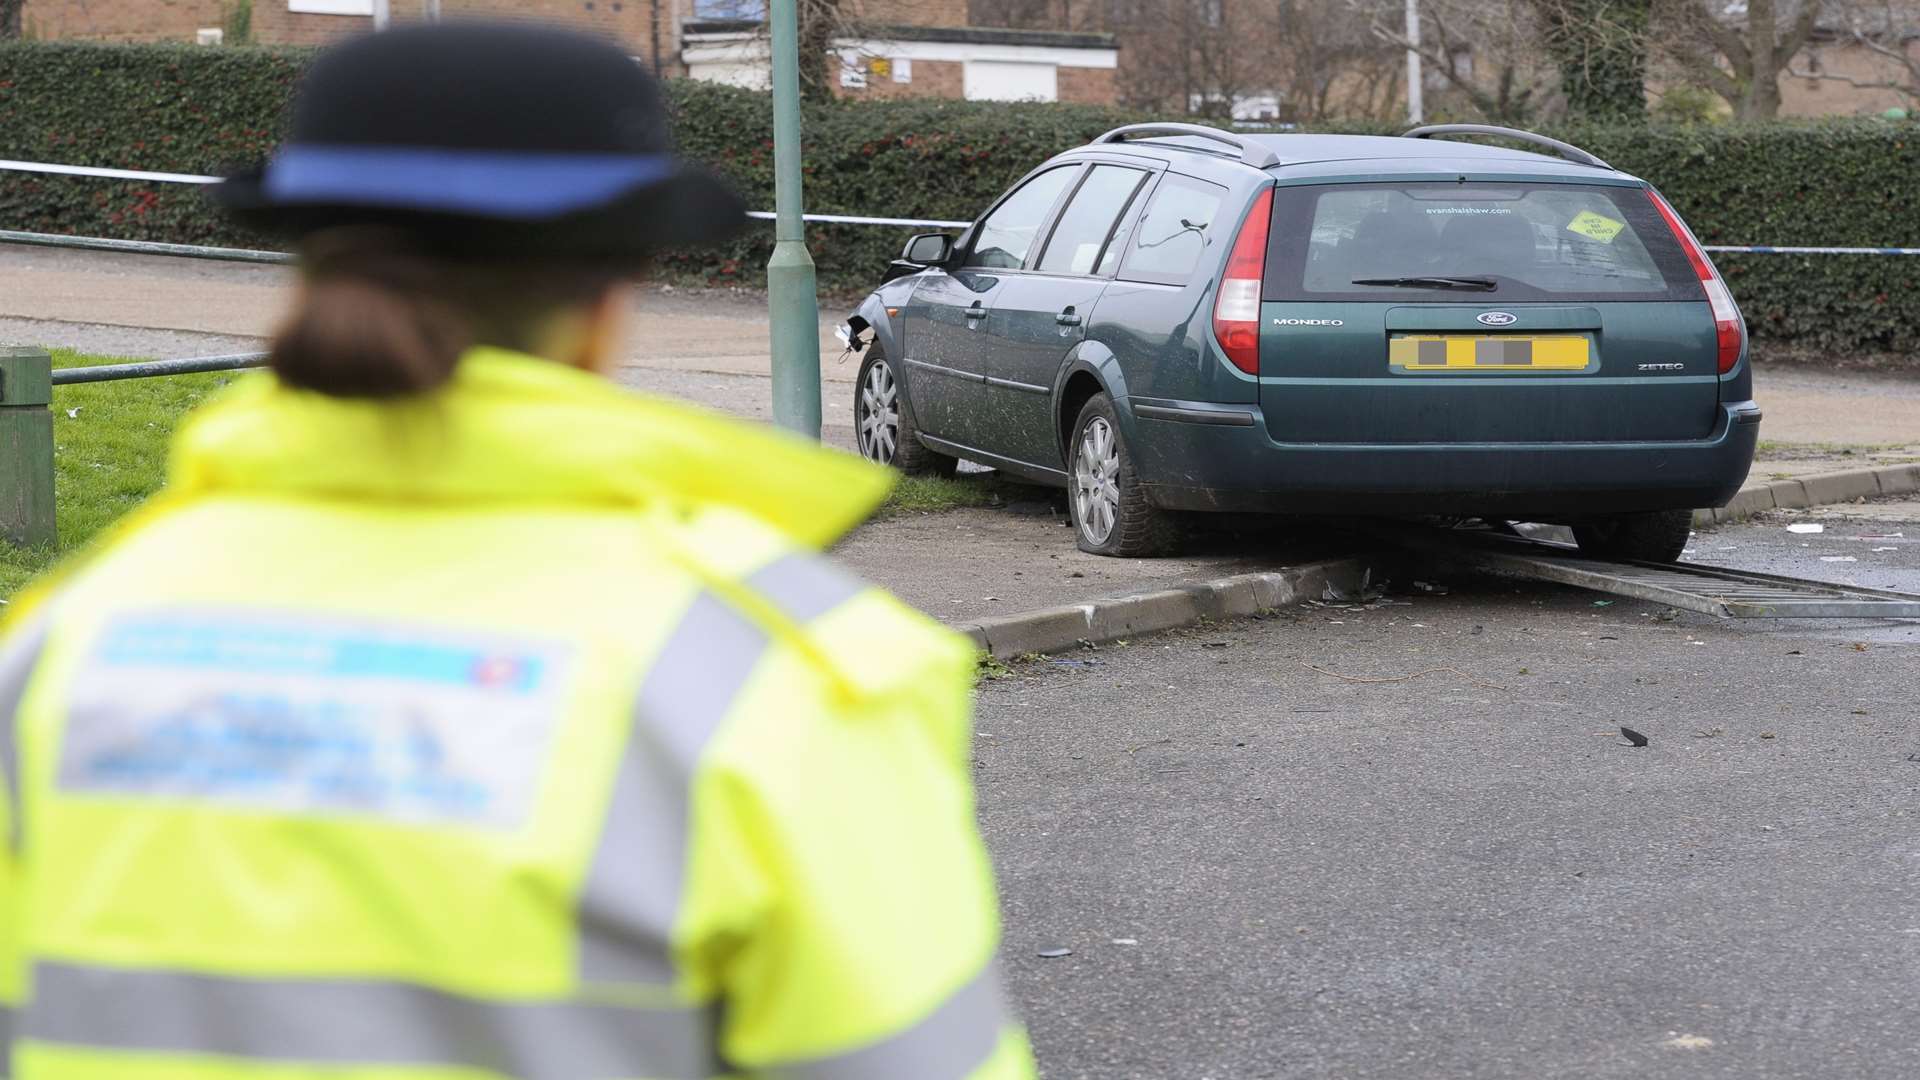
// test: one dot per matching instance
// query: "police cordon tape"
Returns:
(190, 178)
(241, 255)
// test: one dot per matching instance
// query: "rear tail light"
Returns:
(1236, 310)
(1726, 317)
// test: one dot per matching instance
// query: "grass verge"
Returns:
(930, 494)
(109, 453)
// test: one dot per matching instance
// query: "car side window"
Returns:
(1085, 224)
(1008, 234)
(1175, 231)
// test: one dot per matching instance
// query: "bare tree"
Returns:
(1888, 31)
(1188, 56)
(823, 25)
(1035, 14)
(1600, 47)
(1738, 50)
(1487, 51)
(1324, 63)
(10, 18)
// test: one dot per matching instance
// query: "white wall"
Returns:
(1001, 80)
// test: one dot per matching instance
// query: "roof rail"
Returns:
(1565, 150)
(1254, 154)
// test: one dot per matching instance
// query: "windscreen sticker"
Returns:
(1595, 226)
(314, 717)
(1469, 210)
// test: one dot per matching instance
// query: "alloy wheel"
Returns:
(1096, 485)
(878, 422)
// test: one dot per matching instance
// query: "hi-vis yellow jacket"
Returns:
(518, 731)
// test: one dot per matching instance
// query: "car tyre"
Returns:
(883, 428)
(1105, 499)
(1659, 536)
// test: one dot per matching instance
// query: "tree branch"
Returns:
(1796, 38)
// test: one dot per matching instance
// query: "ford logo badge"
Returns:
(1496, 318)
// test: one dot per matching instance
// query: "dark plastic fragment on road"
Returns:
(1633, 736)
(1055, 954)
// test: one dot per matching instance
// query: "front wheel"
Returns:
(1658, 536)
(1109, 507)
(882, 426)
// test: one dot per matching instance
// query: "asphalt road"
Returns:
(1463, 870)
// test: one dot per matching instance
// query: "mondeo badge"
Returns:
(1496, 318)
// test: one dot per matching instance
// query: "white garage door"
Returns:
(1001, 80)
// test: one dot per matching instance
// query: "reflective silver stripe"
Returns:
(6, 1042)
(22, 653)
(369, 1023)
(632, 891)
(950, 1044)
(805, 586)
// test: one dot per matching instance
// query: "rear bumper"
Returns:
(1217, 462)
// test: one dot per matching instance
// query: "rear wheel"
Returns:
(1659, 536)
(1109, 507)
(882, 426)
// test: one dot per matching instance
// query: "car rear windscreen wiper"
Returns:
(1482, 284)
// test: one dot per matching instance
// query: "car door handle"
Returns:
(976, 312)
(1067, 318)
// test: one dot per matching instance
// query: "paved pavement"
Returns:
(1436, 856)
(711, 347)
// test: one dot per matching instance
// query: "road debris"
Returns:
(1838, 558)
(1633, 736)
(1054, 954)
(1806, 527)
(1369, 592)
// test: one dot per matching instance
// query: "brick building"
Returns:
(123, 20)
(1838, 76)
(903, 47)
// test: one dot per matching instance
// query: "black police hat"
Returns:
(486, 140)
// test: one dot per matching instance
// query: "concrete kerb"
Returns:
(1072, 625)
(1820, 489)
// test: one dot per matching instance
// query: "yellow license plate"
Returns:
(1490, 353)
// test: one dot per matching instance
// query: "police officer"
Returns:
(454, 713)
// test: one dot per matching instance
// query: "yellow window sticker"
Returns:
(1595, 226)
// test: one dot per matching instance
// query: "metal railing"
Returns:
(147, 369)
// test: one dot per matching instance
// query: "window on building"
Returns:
(1084, 225)
(730, 10)
(1175, 230)
(1007, 235)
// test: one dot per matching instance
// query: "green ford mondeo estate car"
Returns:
(1176, 318)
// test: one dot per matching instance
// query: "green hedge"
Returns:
(185, 109)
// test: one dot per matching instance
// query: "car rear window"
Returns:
(1534, 241)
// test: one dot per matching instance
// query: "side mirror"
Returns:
(928, 249)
